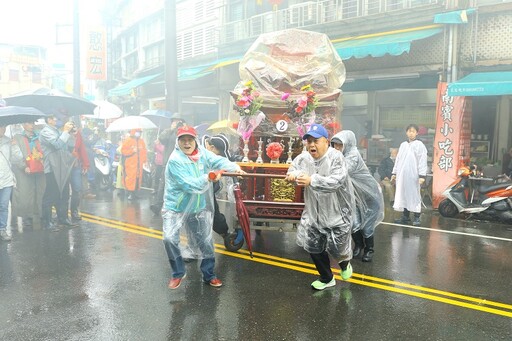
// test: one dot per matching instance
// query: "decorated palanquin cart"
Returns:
(289, 80)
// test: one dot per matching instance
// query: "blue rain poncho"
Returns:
(329, 203)
(368, 193)
(410, 164)
(188, 203)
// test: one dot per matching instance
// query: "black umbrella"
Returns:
(14, 115)
(53, 101)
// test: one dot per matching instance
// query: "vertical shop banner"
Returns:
(96, 61)
(451, 141)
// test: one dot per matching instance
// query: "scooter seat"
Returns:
(494, 187)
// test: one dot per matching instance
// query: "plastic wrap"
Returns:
(367, 191)
(327, 218)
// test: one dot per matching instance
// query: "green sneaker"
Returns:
(317, 285)
(347, 273)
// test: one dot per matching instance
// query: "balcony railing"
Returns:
(312, 13)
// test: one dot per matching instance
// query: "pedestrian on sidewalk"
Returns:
(9, 154)
(409, 173)
(188, 206)
(367, 192)
(27, 198)
(80, 167)
(327, 218)
(385, 172)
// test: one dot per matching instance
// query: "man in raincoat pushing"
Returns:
(188, 206)
(326, 222)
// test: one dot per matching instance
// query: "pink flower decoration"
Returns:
(285, 96)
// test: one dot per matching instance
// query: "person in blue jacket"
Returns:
(188, 206)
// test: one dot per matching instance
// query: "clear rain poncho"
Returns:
(329, 203)
(188, 203)
(368, 193)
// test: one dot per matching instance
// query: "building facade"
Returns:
(395, 53)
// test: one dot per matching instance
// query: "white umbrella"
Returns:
(129, 123)
(105, 110)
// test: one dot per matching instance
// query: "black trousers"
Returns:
(220, 225)
(52, 197)
(323, 265)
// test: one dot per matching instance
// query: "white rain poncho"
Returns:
(329, 203)
(368, 193)
(188, 203)
(410, 164)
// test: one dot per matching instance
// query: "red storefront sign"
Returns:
(96, 61)
(452, 140)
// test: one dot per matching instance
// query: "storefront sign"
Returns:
(452, 140)
(96, 61)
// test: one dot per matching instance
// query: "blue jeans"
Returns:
(75, 180)
(196, 237)
(5, 197)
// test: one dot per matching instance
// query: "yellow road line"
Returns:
(369, 281)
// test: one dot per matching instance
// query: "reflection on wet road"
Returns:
(360, 279)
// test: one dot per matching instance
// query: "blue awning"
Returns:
(377, 45)
(126, 88)
(454, 17)
(482, 84)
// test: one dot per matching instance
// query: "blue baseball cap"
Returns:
(316, 131)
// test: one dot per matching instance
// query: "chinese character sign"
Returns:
(452, 139)
(96, 60)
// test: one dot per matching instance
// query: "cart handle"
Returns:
(213, 175)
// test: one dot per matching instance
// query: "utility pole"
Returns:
(76, 48)
(171, 59)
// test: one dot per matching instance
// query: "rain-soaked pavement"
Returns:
(107, 280)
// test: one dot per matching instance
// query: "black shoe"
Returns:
(156, 209)
(368, 255)
(416, 221)
(67, 223)
(403, 220)
(358, 244)
(50, 227)
(75, 216)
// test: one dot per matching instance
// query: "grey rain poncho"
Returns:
(410, 164)
(188, 203)
(329, 202)
(368, 193)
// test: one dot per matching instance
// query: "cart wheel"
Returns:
(448, 208)
(234, 241)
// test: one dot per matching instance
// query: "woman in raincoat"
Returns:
(409, 173)
(326, 221)
(368, 195)
(134, 155)
(188, 206)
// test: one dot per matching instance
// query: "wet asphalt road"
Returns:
(107, 280)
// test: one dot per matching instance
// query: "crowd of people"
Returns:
(343, 201)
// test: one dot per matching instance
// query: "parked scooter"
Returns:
(103, 169)
(492, 202)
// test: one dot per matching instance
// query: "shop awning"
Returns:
(454, 17)
(126, 88)
(482, 84)
(379, 44)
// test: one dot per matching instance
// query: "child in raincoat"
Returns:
(188, 206)
(326, 221)
(368, 195)
(409, 172)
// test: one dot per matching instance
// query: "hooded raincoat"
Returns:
(188, 203)
(326, 221)
(410, 165)
(367, 191)
(134, 156)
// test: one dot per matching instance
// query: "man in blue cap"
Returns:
(326, 221)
